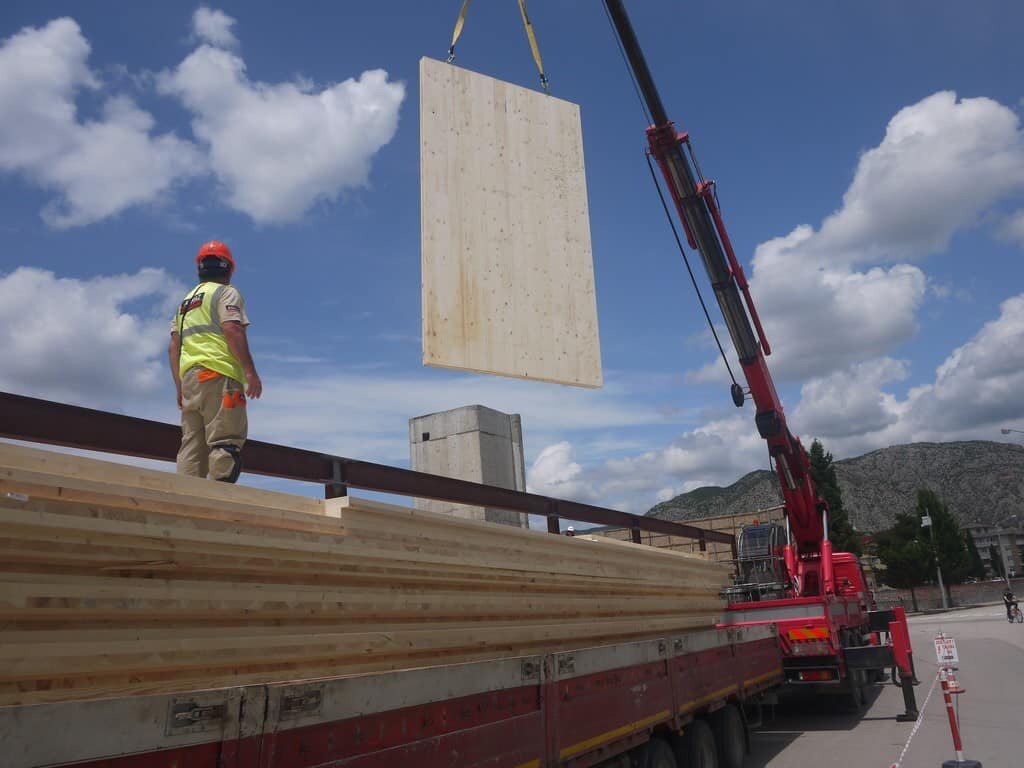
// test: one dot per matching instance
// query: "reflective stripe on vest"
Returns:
(202, 339)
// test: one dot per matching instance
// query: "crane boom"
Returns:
(702, 220)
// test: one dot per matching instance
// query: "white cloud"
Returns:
(101, 342)
(850, 401)
(717, 453)
(277, 149)
(974, 392)
(1012, 227)
(214, 27)
(820, 317)
(665, 494)
(97, 167)
(978, 387)
(86, 341)
(555, 473)
(833, 297)
(374, 407)
(280, 148)
(907, 197)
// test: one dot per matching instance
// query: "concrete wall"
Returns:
(471, 443)
(928, 597)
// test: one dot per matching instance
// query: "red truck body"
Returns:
(816, 631)
(813, 633)
(577, 708)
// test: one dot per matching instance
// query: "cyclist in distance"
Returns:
(1010, 602)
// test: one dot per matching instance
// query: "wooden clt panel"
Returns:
(508, 277)
(117, 580)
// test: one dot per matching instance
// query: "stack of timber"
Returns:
(117, 580)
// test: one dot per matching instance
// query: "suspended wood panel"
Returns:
(508, 277)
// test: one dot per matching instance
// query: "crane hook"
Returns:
(737, 394)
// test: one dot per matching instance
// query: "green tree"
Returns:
(947, 540)
(977, 570)
(905, 555)
(823, 473)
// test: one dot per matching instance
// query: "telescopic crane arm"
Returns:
(697, 209)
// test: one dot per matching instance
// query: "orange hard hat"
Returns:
(216, 249)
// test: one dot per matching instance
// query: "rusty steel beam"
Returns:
(71, 426)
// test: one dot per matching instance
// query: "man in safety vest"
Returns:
(213, 369)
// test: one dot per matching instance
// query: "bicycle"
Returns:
(1015, 615)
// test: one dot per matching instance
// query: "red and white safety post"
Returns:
(945, 652)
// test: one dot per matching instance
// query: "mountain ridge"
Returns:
(981, 481)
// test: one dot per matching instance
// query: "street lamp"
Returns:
(926, 521)
(1006, 430)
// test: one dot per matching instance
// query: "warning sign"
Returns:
(945, 650)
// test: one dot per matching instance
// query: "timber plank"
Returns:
(106, 590)
(140, 480)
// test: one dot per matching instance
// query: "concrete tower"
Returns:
(470, 443)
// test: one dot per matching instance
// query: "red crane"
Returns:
(694, 201)
(820, 601)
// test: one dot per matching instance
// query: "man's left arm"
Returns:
(234, 321)
(238, 344)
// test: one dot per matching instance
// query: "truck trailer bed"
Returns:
(575, 708)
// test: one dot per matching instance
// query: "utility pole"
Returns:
(926, 521)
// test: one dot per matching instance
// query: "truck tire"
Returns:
(656, 753)
(730, 737)
(855, 697)
(697, 747)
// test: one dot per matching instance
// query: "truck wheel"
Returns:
(855, 681)
(698, 746)
(730, 737)
(656, 753)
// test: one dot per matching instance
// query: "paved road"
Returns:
(815, 732)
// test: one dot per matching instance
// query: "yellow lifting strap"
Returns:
(460, 22)
(533, 45)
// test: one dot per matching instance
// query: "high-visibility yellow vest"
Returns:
(202, 340)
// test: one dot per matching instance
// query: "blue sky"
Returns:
(870, 163)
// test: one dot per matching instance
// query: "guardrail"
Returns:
(71, 426)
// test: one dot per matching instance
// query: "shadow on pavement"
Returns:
(766, 745)
(800, 712)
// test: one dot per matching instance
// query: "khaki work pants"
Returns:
(212, 417)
